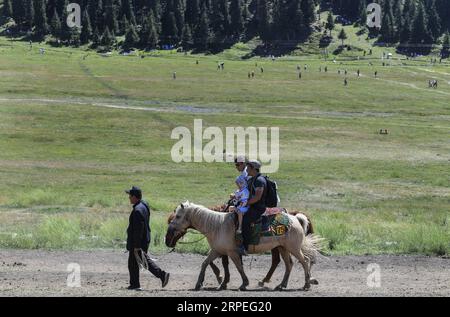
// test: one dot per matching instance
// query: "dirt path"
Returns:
(104, 273)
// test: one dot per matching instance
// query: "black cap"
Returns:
(134, 191)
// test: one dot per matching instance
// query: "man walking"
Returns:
(138, 241)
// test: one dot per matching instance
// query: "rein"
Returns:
(193, 242)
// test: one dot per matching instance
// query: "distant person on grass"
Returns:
(138, 241)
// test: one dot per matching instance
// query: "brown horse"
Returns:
(305, 222)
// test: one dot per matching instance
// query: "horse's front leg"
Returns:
(201, 278)
(216, 271)
(240, 267)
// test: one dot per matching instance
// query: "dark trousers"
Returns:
(250, 217)
(133, 268)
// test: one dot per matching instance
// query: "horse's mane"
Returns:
(210, 221)
(170, 218)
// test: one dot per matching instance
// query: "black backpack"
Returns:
(271, 193)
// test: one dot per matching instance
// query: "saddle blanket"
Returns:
(272, 226)
(274, 211)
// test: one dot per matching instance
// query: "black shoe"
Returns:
(165, 279)
(242, 251)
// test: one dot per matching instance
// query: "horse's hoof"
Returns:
(314, 281)
(280, 288)
(198, 287)
(307, 287)
(220, 280)
(243, 288)
(261, 284)
(222, 288)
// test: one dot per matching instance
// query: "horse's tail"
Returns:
(305, 222)
(311, 247)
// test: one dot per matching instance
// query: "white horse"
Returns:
(220, 230)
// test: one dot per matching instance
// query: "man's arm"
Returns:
(258, 195)
(138, 225)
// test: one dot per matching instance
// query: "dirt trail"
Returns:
(104, 273)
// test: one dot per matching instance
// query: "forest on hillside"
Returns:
(208, 25)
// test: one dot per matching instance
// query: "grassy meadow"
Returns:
(77, 128)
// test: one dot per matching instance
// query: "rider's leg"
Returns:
(240, 217)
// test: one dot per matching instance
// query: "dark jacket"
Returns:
(138, 232)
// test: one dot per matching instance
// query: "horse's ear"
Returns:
(185, 204)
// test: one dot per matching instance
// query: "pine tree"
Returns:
(246, 15)
(7, 9)
(387, 31)
(203, 36)
(86, 31)
(66, 32)
(56, 24)
(186, 38)
(342, 36)
(299, 21)
(156, 9)
(96, 39)
(263, 19)
(148, 34)
(408, 16)
(220, 18)
(128, 10)
(192, 14)
(131, 38)
(363, 14)
(446, 46)
(421, 35)
(443, 8)
(124, 25)
(179, 16)
(18, 9)
(100, 15)
(111, 16)
(152, 40)
(434, 21)
(236, 17)
(107, 38)
(398, 19)
(169, 29)
(330, 23)
(276, 22)
(30, 12)
(308, 8)
(42, 27)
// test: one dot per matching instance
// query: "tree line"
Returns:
(412, 25)
(215, 24)
(202, 24)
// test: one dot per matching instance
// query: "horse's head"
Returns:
(179, 223)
